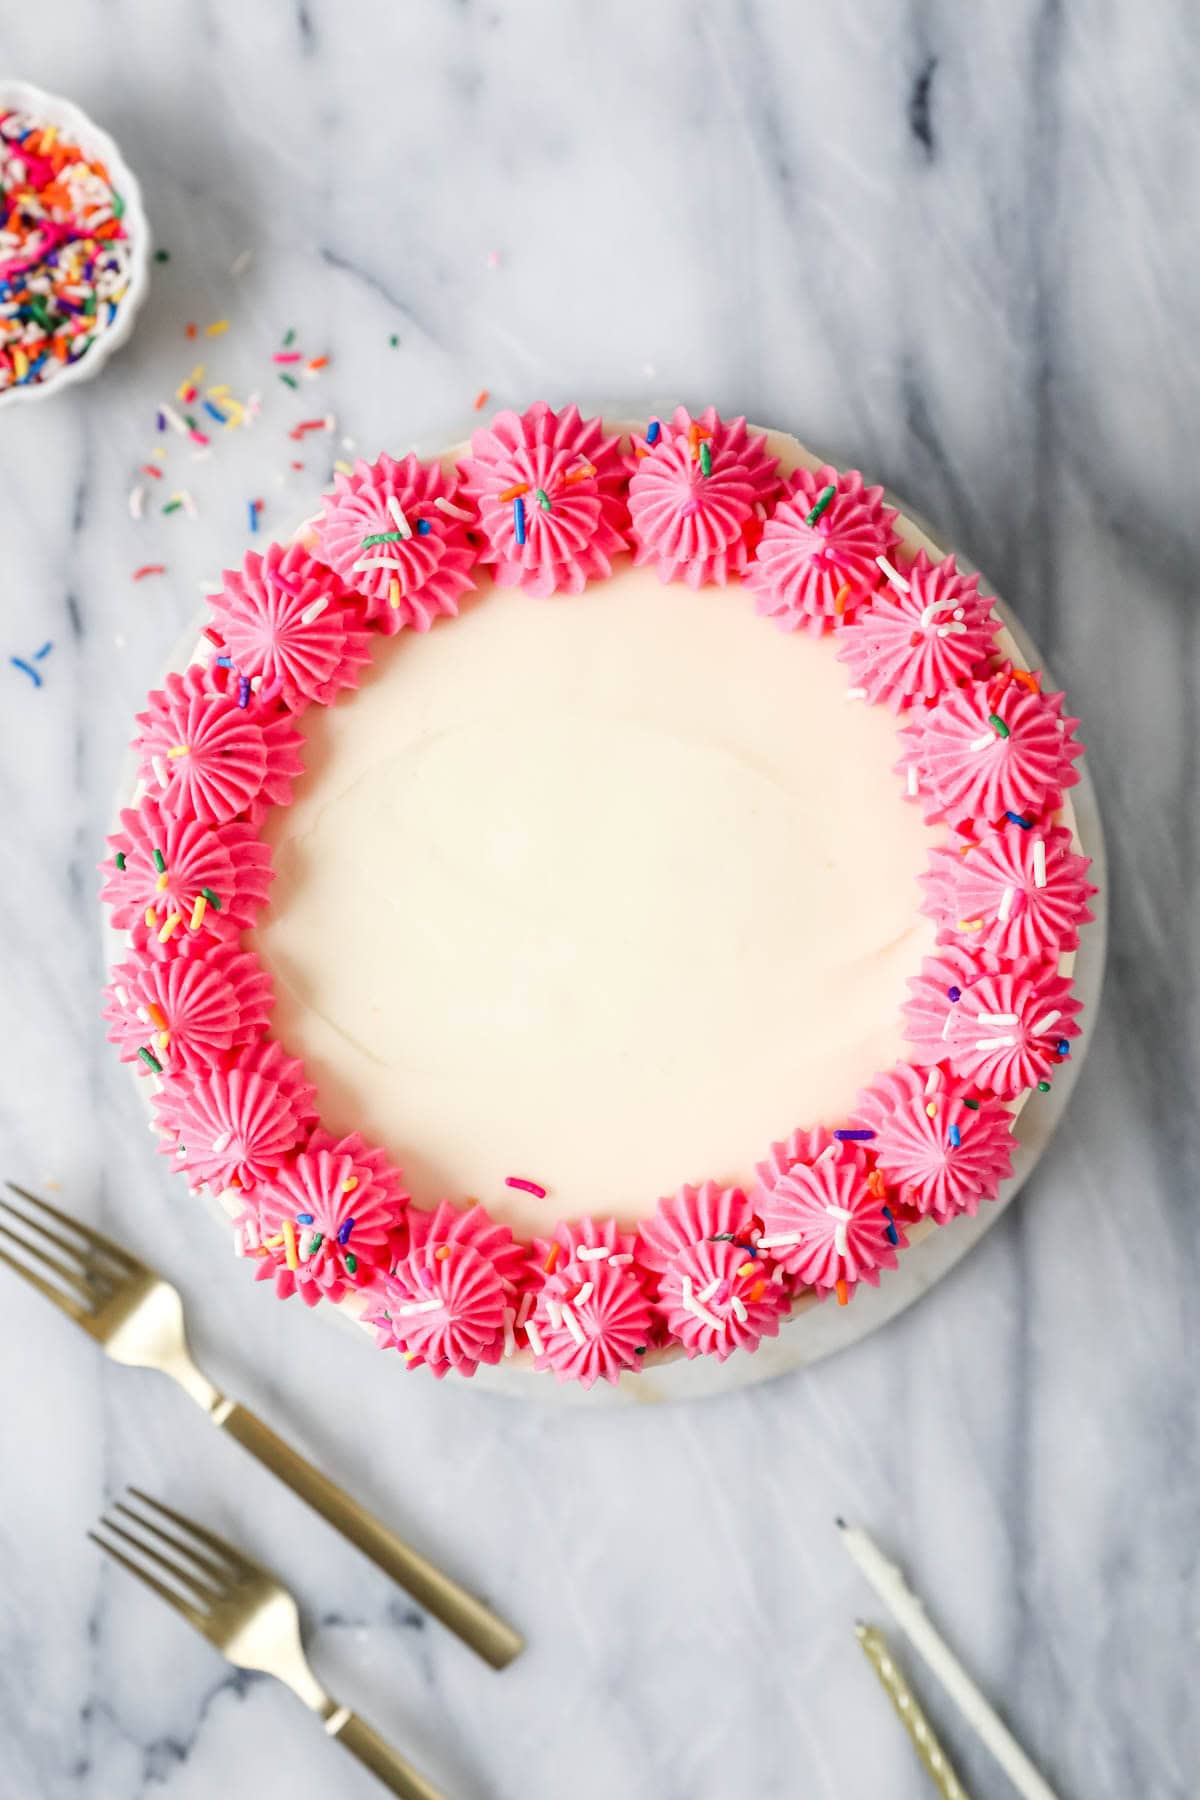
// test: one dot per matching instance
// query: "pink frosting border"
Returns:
(829, 1206)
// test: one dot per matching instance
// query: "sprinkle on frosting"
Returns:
(235, 1128)
(591, 1323)
(228, 865)
(912, 644)
(284, 620)
(343, 1225)
(189, 1008)
(1005, 1032)
(715, 1299)
(209, 759)
(567, 537)
(815, 564)
(940, 1155)
(417, 565)
(697, 517)
(1021, 894)
(692, 1216)
(445, 1303)
(979, 754)
(826, 1226)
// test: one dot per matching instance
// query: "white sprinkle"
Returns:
(958, 612)
(373, 562)
(397, 512)
(1039, 862)
(739, 1308)
(313, 612)
(573, 1326)
(841, 1215)
(173, 419)
(510, 1341)
(911, 781)
(222, 1143)
(856, 693)
(893, 574)
(933, 609)
(951, 630)
(700, 1312)
(592, 1252)
(122, 998)
(526, 1308)
(995, 1043)
(781, 1241)
(160, 770)
(189, 505)
(420, 1306)
(137, 501)
(535, 1338)
(1006, 902)
(948, 1024)
(990, 1018)
(827, 1152)
(1044, 1024)
(448, 507)
(981, 743)
(584, 1294)
(933, 1081)
(241, 263)
(554, 1313)
(619, 1262)
(707, 1293)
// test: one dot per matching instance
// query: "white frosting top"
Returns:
(606, 892)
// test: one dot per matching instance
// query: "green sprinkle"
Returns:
(822, 501)
(160, 861)
(288, 380)
(37, 306)
(973, 1104)
(394, 341)
(542, 498)
(172, 506)
(289, 337)
(120, 859)
(89, 305)
(162, 256)
(706, 459)
(1043, 1087)
(382, 537)
(118, 205)
(997, 724)
(352, 1269)
(151, 1061)
(214, 900)
(189, 420)
(317, 1241)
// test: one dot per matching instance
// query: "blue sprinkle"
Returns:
(1063, 1047)
(954, 995)
(343, 1236)
(519, 519)
(26, 669)
(893, 1234)
(1025, 824)
(653, 432)
(423, 528)
(214, 412)
(224, 662)
(44, 651)
(955, 1136)
(252, 509)
(853, 1137)
(304, 1218)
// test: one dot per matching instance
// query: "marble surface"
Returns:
(954, 244)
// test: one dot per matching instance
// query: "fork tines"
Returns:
(202, 1567)
(88, 1266)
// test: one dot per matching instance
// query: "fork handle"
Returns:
(489, 1636)
(376, 1754)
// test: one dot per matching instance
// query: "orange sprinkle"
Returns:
(518, 488)
(757, 1292)
(157, 1017)
(1027, 679)
(551, 1259)
(441, 1253)
(580, 474)
(191, 331)
(694, 440)
(481, 399)
(318, 362)
(840, 599)
(876, 1185)
(841, 1290)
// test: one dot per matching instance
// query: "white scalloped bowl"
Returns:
(74, 123)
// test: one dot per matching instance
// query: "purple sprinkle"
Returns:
(344, 1231)
(853, 1137)
(243, 690)
(954, 995)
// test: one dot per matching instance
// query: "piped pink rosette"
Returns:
(189, 1009)
(1003, 1032)
(716, 1298)
(162, 865)
(698, 495)
(209, 759)
(590, 1322)
(396, 533)
(920, 635)
(447, 1302)
(550, 492)
(826, 1224)
(803, 1147)
(383, 1172)
(321, 1228)
(693, 1216)
(816, 562)
(1019, 894)
(979, 754)
(940, 1149)
(284, 622)
(236, 1127)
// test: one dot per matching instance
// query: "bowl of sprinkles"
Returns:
(74, 244)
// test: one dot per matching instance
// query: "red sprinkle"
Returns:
(529, 1187)
(481, 399)
(149, 569)
(288, 356)
(151, 469)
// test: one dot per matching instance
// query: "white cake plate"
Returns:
(814, 1330)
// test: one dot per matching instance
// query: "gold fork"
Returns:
(137, 1318)
(247, 1614)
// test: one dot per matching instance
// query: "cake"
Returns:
(689, 915)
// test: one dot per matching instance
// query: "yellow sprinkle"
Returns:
(170, 928)
(931, 1110)
(20, 362)
(178, 750)
(409, 1355)
(289, 1245)
(151, 917)
(160, 454)
(198, 912)
(393, 592)
(350, 1183)
(216, 328)
(214, 393)
(157, 1016)
(160, 885)
(970, 924)
(343, 467)
(272, 1243)
(164, 1038)
(747, 1268)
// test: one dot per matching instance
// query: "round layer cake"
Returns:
(688, 922)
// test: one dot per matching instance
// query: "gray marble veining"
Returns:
(955, 244)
